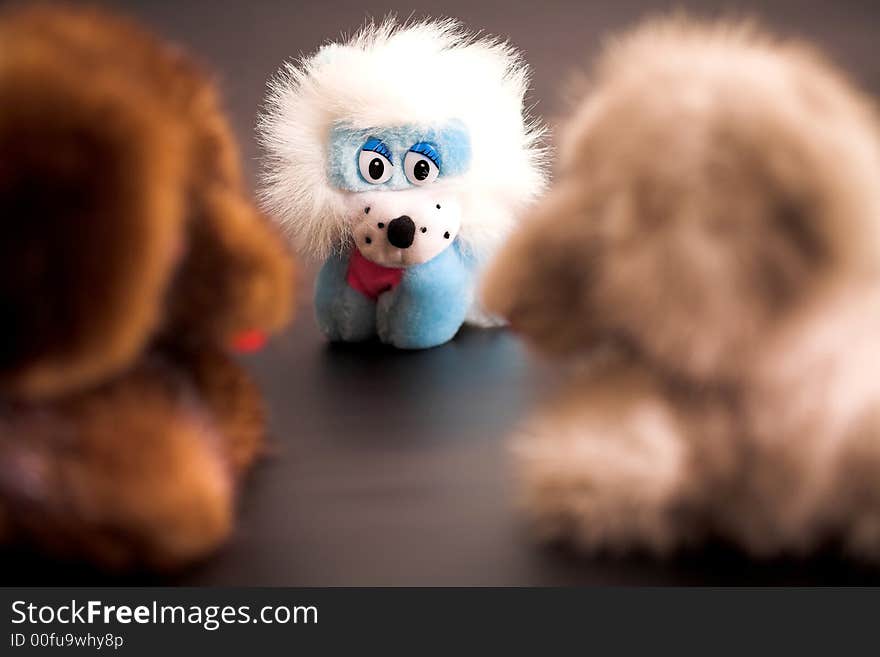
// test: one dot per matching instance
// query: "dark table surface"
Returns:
(392, 467)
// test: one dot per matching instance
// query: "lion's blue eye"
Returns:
(374, 162)
(422, 164)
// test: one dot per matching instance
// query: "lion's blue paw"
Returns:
(343, 313)
(429, 305)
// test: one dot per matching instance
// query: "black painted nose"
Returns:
(401, 232)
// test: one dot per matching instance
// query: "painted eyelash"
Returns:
(428, 150)
(377, 146)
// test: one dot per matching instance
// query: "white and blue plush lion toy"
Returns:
(403, 156)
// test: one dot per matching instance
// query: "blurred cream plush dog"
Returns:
(711, 249)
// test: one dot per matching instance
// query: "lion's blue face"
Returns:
(395, 158)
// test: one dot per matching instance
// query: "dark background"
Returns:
(392, 468)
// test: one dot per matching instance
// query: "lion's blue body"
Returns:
(425, 310)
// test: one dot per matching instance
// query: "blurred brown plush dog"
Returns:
(131, 262)
(711, 251)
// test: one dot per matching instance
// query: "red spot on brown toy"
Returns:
(249, 341)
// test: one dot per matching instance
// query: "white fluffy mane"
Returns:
(392, 74)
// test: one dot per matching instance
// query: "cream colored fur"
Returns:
(711, 250)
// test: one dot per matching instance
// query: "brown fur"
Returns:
(131, 259)
(712, 245)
